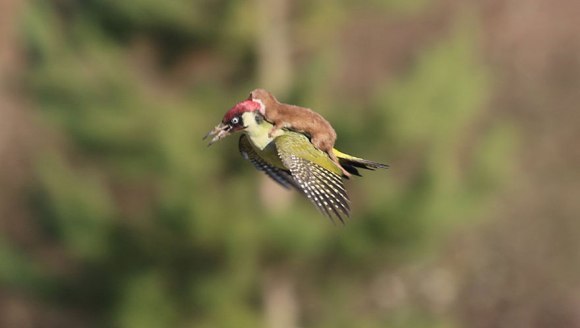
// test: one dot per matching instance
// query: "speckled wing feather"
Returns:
(280, 176)
(324, 188)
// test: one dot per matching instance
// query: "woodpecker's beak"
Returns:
(219, 132)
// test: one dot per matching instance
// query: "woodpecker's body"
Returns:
(299, 119)
(291, 159)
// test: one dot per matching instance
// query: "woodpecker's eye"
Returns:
(235, 120)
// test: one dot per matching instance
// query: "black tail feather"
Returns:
(351, 165)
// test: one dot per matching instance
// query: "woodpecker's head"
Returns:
(233, 120)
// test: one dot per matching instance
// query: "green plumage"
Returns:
(290, 159)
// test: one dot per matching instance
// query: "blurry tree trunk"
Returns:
(9, 50)
(279, 294)
(275, 75)
(274, 49)
(15, 137)
(14, 124)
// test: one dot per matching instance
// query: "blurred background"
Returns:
(114, 213)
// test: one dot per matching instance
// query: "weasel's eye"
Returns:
(235, 120)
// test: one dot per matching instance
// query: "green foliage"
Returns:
(79, 210)
(20, 272)
(172, 233)
(429, 111)
(145, 303)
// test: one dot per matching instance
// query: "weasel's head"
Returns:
(264, 98)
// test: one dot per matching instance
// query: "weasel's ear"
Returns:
(262, 108)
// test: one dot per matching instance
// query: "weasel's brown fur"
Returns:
(299, 119)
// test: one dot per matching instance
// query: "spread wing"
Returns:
(321, 186)
(282, 177)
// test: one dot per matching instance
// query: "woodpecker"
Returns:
(291, 159)
(299, 119)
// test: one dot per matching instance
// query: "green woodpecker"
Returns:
(290, 159)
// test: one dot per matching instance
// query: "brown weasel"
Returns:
(299, 119)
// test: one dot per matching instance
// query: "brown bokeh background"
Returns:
(508, 257)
